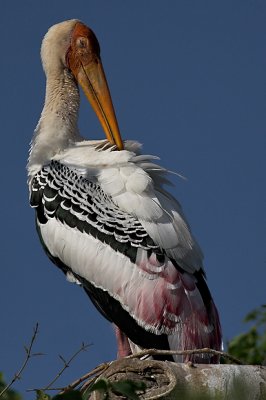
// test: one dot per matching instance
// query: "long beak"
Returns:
(91, 78)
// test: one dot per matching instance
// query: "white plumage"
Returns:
(103, 215)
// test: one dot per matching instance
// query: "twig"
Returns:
(96, 371)
(102, 367)
(154, 352)
(25, 362)
(66, 364)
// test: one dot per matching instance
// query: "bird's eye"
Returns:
(82, 42)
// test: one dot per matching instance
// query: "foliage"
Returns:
(250, 347)
(9, 394)
(127, 388)
(41, 395)
(71, 395)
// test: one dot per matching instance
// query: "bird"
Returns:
(105, 217)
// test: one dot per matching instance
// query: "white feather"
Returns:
(138, 190)
(135, 288)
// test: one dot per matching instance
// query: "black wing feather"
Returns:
(60, 192)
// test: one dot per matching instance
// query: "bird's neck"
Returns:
(57, 127)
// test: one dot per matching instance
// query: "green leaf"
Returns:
(251, 316)
(41, 395)
(10, 394)
(102, 385)
(71, 395)
(128, 388)
(250, 347)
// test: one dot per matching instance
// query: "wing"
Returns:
(129, 275)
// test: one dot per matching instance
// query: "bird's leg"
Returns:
(122, 343)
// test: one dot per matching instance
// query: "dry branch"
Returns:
(172, 381)
(29, 354)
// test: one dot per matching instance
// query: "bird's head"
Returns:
(72, 45)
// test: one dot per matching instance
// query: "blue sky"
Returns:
(188, 81)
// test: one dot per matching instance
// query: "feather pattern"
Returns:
(112, 225)
(104, 217)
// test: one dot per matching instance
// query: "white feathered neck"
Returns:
(57, 128)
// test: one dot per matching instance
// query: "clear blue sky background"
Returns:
(187, 80)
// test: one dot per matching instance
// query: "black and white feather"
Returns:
(110, 226)
(105, 219)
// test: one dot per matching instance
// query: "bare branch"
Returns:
(154, 352)
(66, 364)
(150, 352)
(29, 354)
(96, 372)
(93, 374)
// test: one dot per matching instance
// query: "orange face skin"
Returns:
(84, 48)
(84, 61)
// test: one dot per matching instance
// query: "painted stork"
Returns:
(104, 218)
